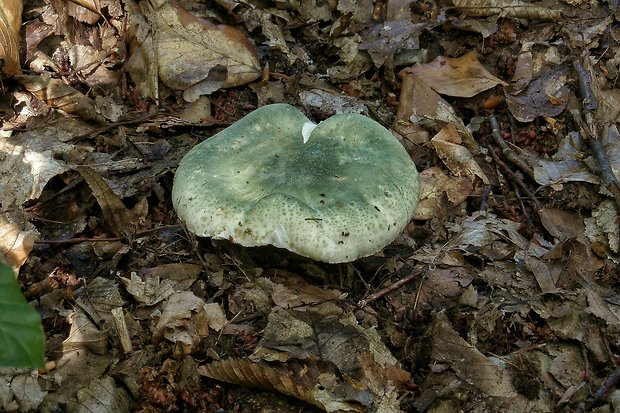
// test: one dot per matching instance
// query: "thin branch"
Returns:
(390, 288)
(516, 178)
(110, 239)
(509, 153)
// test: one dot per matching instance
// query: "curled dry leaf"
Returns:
(197, 56)
(506, 8)
(61, 96)
(420, 105)
(10, 24)
(457, 158)
(15, 244)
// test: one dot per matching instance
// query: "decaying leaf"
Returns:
(152, 285)
(299, 296)
(300, 381)
(506, 8)
(85, 335)
(27, 162)
(61, 96)
(186, 318)
(103, 396)
(437, 187)
(98, 299)
(192, 54)
(21, 392)
(494, 238)
(606, 218)
(561, 224)
(10, 25)
(382, 40)
(546, 95)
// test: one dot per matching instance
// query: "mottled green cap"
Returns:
(345, 193)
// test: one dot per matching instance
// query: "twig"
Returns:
(509, 153)
(589, 102)
(390, 288)
(515, 177)
(609, 382)
(110, 239)
(591, 133)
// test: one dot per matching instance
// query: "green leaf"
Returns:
(22, 341)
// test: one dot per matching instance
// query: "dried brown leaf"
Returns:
(115, 214)
(463, 76)
(197, 56)
(437, 187)
(184, 319)
(61, 96)
(561, 224)
(420, 105)
(92, 5)
(87, 11)
(15, 244)
(10, 24)
(296, 296)
(305, 382)
(506, 8)
(447, 144)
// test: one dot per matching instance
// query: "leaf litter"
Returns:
(501, 295)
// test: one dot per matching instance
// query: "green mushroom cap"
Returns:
(345, 193)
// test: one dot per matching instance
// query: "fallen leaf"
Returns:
(103, 395)
(420, 105)
(606, 219)
(563, 225)
(546, 95)
(183, 319)
(61, 96)
(300, 381)
(383, 39)
(437, 187)
(462, 76)
(15, 243)
(506, 8)
(10, 25)
(305, 354)
(447, 144)
(118, 218)
(85, 335)
(197, 56)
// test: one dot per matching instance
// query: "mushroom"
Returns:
(341, 190)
